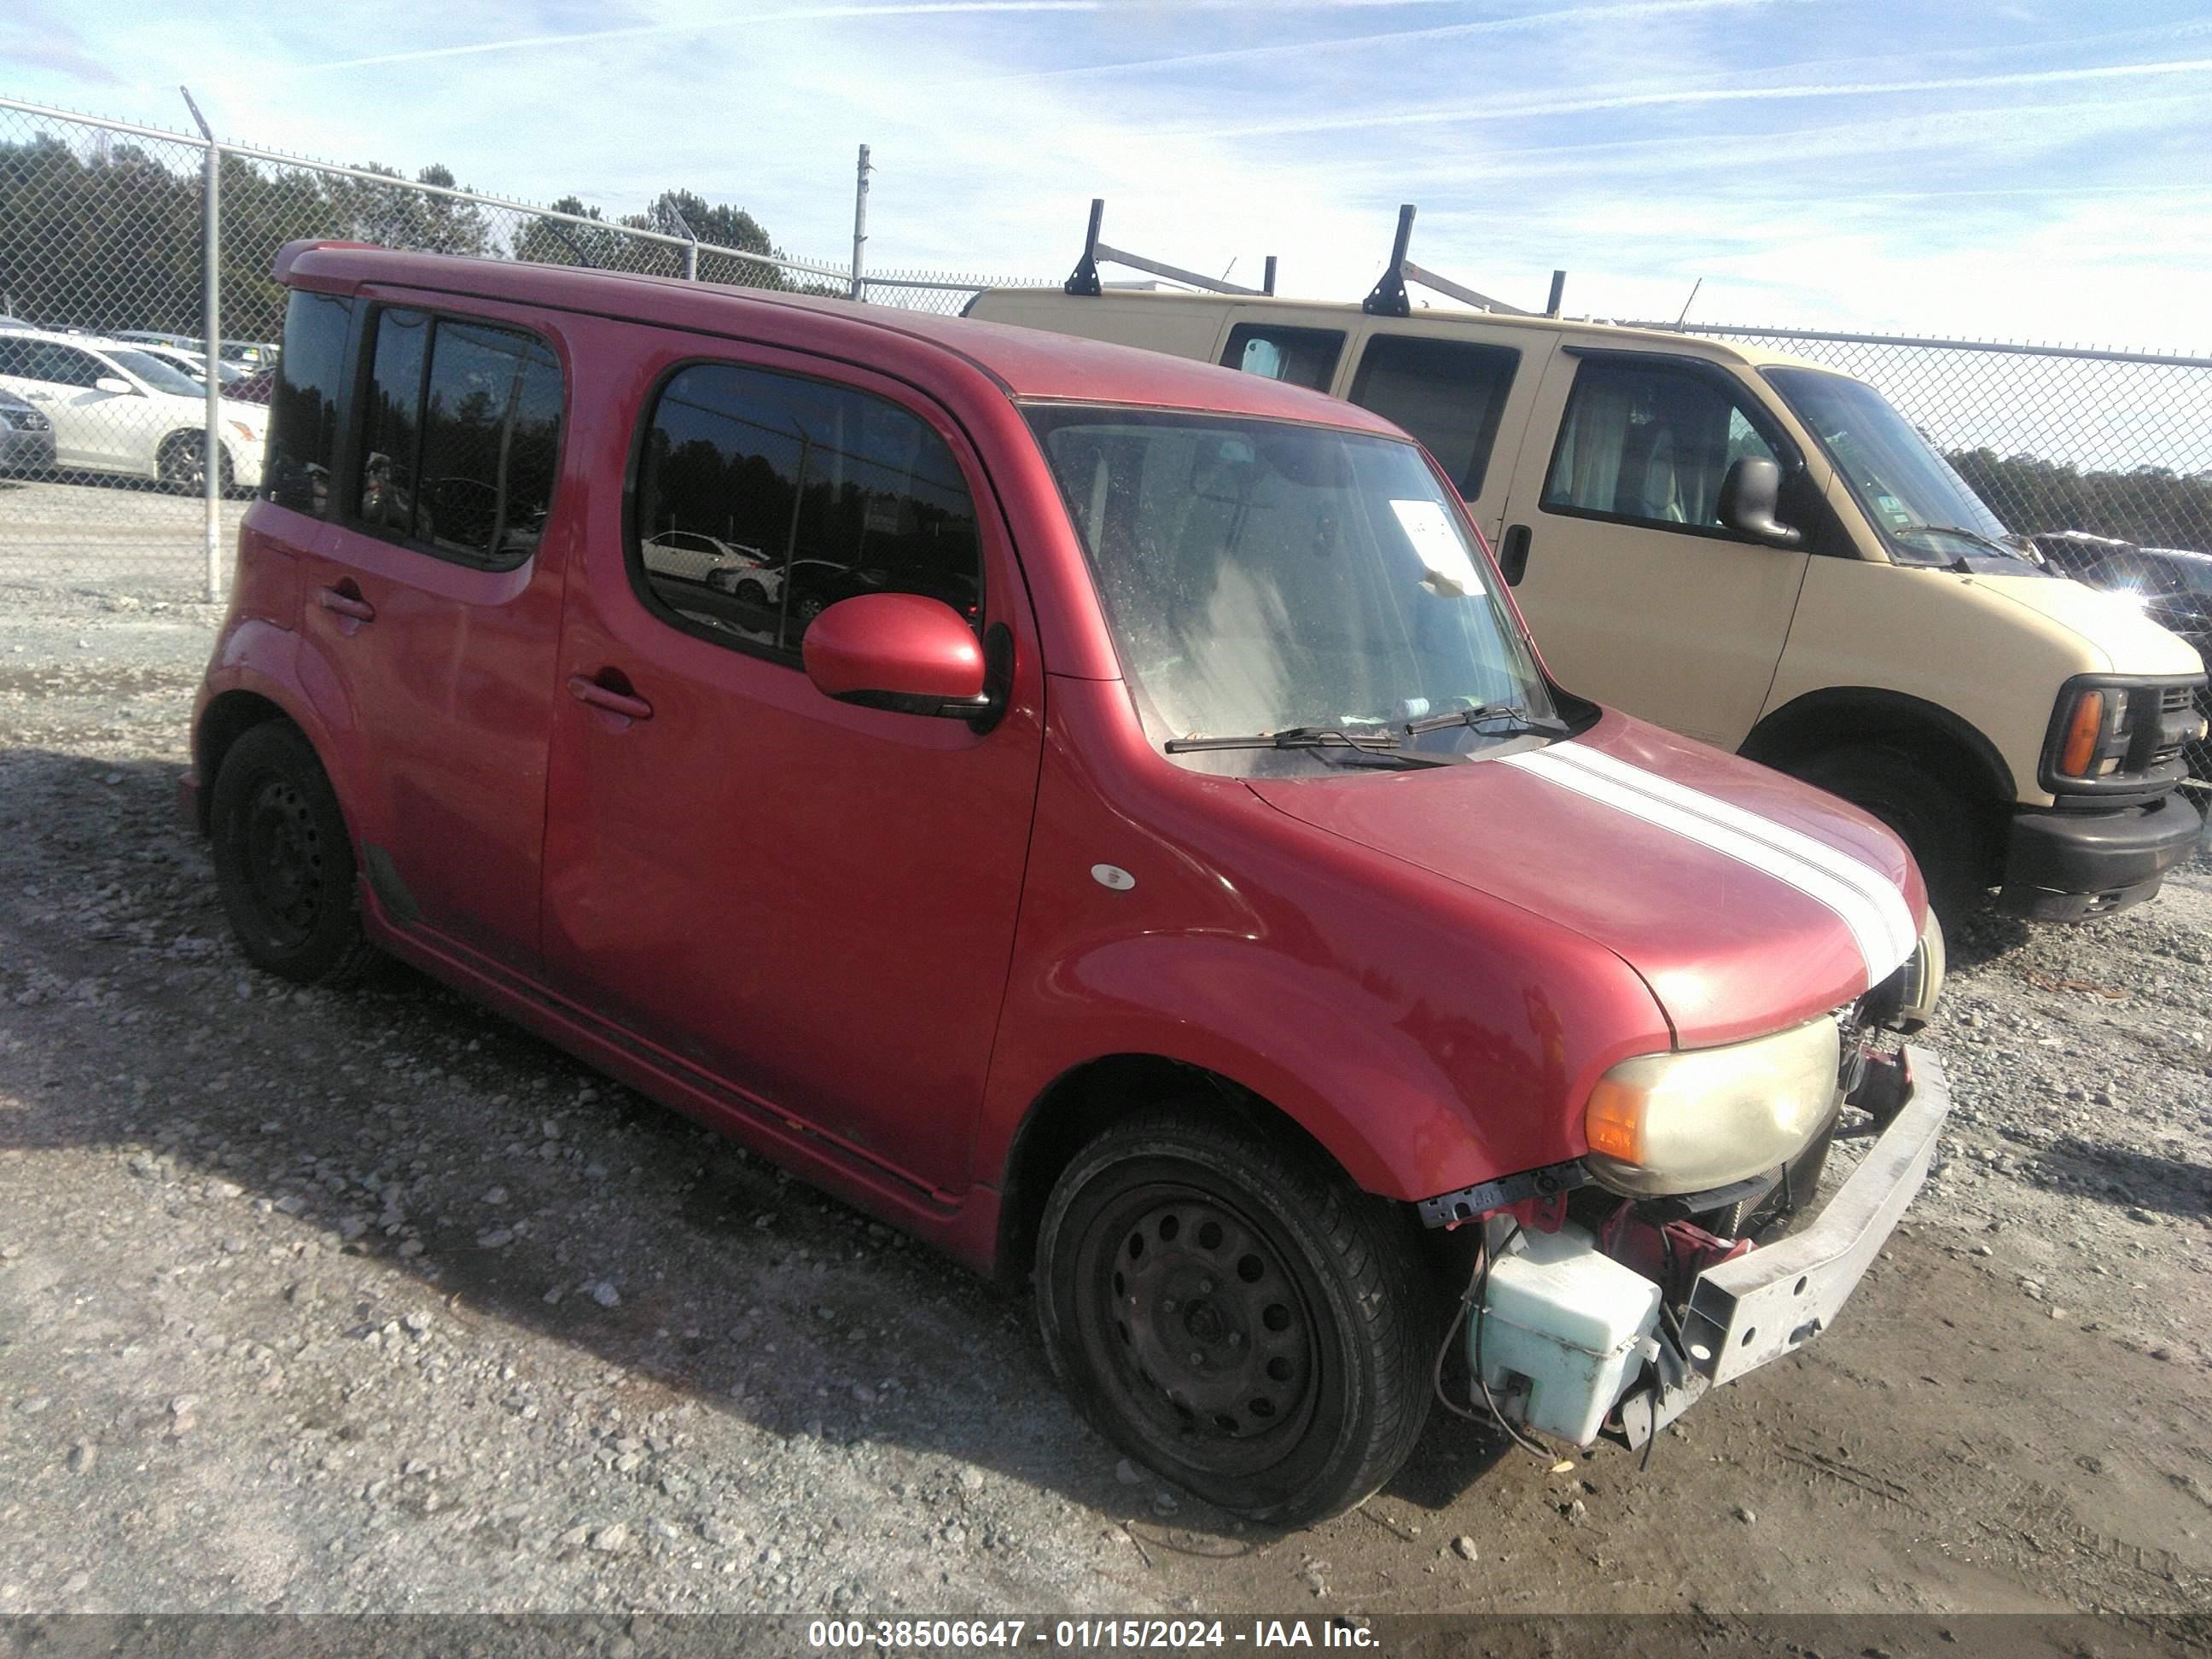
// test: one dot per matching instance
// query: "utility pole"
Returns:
(860, 223)
(211, 325)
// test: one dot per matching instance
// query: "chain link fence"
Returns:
(105, 235)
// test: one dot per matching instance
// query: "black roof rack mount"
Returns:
(1389, 297)
(1085, 278)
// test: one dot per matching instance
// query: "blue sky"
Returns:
(2031, 171)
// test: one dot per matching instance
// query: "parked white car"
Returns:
(193, 364)
(116, 408)
(690, 555)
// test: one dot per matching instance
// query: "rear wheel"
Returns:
(1244, 1321)
(284, 862)
(1937, 823)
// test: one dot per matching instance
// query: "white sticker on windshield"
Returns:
(1439, 546)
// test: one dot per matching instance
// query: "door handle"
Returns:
(346, 605)
(1513, 556)
(39, 396)
(586, 690)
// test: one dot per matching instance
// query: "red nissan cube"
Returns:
(1100, 813)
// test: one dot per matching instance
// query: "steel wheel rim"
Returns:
(283, 858)
(1204, 1337)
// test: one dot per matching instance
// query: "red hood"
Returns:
(1747, 901)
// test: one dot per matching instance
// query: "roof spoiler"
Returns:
(1388, 298)
(292, 252)
(1085, 278)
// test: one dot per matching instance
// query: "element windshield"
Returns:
(1262, 577)
(1925, 512)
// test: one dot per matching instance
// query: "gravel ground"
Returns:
(103, 532)
(367, 1301)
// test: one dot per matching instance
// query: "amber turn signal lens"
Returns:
(1614, 1122)
(2082, 731)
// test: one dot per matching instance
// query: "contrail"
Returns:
(1710, 95)
(1534, 20)
(834, 13)
(706, 26)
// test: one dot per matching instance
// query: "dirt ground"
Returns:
(366, 1301)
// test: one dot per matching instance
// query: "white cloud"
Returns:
(1887, 164)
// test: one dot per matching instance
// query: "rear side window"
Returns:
(1650, 443)
(764, 498)
(57, 365)
(460, 438)
(303, 405)
(1297, 356)
(1448, 393)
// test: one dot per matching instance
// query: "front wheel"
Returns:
(1241, 1320)
(1938, 825)
(182, 463)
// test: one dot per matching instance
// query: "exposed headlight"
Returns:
(1688, 1122)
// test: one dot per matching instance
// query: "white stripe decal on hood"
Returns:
(1873, 910)
(1877, 888)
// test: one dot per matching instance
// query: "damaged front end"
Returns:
(1598, 1310)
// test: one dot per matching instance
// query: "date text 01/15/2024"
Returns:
(1086, 1634)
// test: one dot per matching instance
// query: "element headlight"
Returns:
(1688, 1122)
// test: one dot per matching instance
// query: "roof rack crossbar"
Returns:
(1085, 278)
(1389, 297)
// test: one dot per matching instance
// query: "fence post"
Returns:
(212, 327)
(860, 223)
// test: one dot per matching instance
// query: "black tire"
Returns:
(180, 466)
(283, 861)
(1304, 1381)
(1944, 830)
(750, 592)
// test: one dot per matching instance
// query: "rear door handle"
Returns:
(586, 690)
(346, 605)
(1513, 556)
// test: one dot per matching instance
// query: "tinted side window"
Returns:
(15, 356)
(392, 421)
(810, 493)
(1448, 393)
(62, 365)
(1301, 356)
(1650, 443)
(461, 437)
(303, 405)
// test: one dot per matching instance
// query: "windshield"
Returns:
(1261, 577)
(161, 376)
(1907, 490)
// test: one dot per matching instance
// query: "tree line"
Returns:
(2151, 507)
(110, 240)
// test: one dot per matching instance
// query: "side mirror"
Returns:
(115, 383)
(904, 651)
(1748, 494)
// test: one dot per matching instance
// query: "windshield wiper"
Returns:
(1292, 737)
(1989, 542)
(1483, 715)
